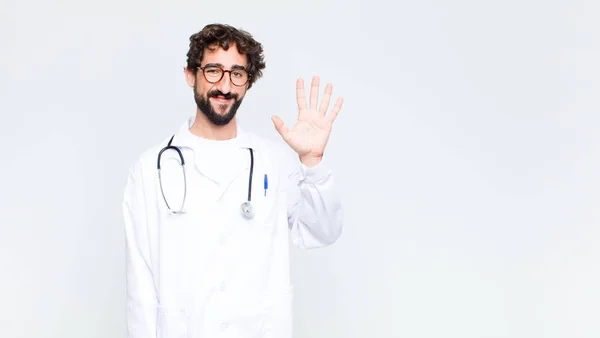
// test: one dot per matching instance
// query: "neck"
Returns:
(202, 127)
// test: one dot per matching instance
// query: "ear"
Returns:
(190, 78)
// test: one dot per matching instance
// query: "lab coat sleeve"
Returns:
(140, 289)
(314, 205)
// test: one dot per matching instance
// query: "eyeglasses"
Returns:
(214, 74)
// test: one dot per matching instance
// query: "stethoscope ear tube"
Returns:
(246, 208)
(251, 174)
(169, 146)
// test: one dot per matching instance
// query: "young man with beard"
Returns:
(208, 239)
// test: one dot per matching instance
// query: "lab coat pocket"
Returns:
(172, 323)
(266, 209)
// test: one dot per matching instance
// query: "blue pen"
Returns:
(266, 184)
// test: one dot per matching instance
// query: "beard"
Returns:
(223, 116)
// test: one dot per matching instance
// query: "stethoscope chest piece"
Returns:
(247, 209)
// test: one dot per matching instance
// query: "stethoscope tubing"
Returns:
(246, 207)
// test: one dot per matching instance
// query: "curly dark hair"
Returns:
(215, 35)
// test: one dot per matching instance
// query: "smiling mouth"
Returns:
(221, 99)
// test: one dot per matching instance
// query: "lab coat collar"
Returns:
(185, 139)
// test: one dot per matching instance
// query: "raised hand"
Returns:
(309, 136)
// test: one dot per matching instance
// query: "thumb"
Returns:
(279, 125)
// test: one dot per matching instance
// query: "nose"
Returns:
(224, 85)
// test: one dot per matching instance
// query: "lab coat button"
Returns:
(224, 326)
(222, 286)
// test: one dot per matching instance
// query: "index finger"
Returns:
(300, 95)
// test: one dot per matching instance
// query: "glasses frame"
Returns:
(223, 74)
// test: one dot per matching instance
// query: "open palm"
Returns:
(309, 136)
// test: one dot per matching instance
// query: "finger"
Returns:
(326, 98)
(314, 92)
(300, 96)
(336, 109)
(279, 126)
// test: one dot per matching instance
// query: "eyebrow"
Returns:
(221, 66)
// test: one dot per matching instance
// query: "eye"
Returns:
(212, 70)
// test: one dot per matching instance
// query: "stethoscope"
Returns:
(246, 208)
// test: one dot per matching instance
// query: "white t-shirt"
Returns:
(224, 157)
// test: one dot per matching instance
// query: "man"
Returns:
(220, 267)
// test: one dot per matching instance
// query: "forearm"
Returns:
(316, 219)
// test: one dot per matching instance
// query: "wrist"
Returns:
(311, 161)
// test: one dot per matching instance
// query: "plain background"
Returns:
(467, 151)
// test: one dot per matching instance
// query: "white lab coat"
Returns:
(211, 272)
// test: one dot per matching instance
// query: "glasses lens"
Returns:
(239, 77)
(213, 74)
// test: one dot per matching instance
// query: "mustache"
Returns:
(215, 93)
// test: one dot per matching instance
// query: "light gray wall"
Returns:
(467, 150)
